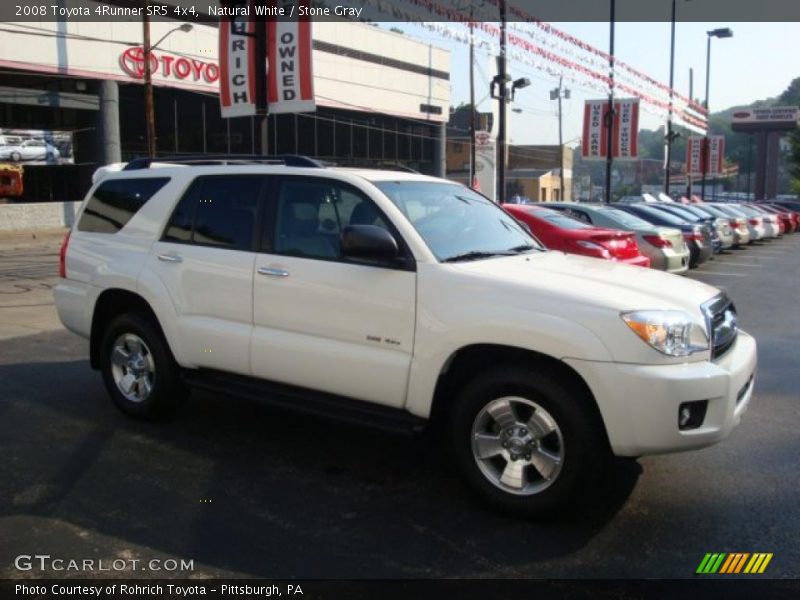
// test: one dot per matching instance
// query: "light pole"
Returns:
(559, 93)
(670, 137)
(501, 79)
(724, 32)
(609, 116)
(149, 112)
(499, 91)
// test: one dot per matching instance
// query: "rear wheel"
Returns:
(138, 370)
(526, 443)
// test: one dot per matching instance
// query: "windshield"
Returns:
(662, 215)
(683, 212)
(559, 220)
(627, 219)
(731, 211)
(457, 223)
(714, 211)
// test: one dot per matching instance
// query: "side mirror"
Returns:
(368, 242)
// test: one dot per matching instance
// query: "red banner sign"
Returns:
(290, 78)
(237, 61)
(625, 130)
(705, 154)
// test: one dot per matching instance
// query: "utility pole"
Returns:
(502, 97)
(149, 111)
(688, 170)
(610, 114)
(560, 93)
(472, 108)
(670, 136)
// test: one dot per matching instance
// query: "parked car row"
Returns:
(655, 232)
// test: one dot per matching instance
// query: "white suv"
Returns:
(400, 300)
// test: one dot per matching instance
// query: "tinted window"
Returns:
(660, 216)
(559, 220)
(311, 215)
(217, 211)
(115, 202)
(626, 219)
(576, 214)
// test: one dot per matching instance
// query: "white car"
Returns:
(30, 150)
(404, 301)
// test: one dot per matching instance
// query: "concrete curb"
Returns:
(33, 216)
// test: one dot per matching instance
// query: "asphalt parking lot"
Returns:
(244, 490)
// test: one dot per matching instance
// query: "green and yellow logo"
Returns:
(734, 563)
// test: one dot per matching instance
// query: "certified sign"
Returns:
(774, 118)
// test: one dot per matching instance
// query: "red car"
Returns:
(558, 231)
(791, 220)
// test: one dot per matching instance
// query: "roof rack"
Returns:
(380, 165)
(289, 160)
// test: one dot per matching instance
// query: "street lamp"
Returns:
(723, 32)
(499, 91)
(149, 112)
(670, 136)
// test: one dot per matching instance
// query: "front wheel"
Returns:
(138, 370)
(526, 443)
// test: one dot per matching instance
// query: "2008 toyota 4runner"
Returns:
(400, 300)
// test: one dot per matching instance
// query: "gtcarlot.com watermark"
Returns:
(46, 562)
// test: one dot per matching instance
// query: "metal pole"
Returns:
(749, 164)
(705, 152)
(501, 129)
(262, 102)
(560, 145)
(149, 111)
(471, 102)
(610, 114)
(691, 98)
(668, 153)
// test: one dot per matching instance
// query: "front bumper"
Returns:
(639, 403)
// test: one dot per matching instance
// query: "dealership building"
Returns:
(382, 97)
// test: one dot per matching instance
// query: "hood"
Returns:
(551, 275)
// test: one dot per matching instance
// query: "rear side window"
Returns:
(217, 211)
(115, 202)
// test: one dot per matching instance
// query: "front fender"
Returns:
(551, 336)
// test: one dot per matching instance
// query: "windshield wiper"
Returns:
(522, 248)
(475, 255)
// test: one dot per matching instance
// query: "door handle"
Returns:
(273, 272)
(170, 258)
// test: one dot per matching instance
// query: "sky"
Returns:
(759, 61)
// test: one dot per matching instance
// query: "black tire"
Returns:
(167, 394)
(586, 454)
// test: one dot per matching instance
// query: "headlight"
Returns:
(671, 332)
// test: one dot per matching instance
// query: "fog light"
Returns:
(692, 414)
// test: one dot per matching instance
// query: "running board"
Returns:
(303, 400)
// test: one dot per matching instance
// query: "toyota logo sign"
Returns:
(166, 65)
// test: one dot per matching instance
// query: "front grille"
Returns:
(722, 324)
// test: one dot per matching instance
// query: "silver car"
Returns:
(760, 226)
(721, 224)
(738, 222)
(664, 246)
